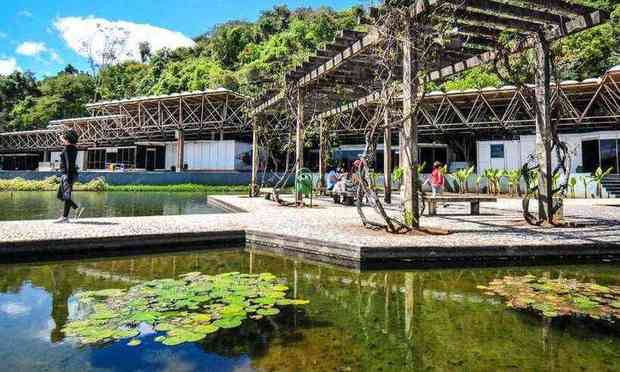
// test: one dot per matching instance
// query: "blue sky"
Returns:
(44, 35)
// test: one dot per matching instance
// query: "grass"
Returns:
(99, 185)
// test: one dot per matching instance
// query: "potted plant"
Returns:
(598, 177)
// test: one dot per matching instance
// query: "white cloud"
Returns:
(8, 66)
(36, 49)
(89, 36)
(24, 13)
(31, 48)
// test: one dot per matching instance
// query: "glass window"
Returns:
(609, 155)
(590, 155)
(96, 159)
(127, 157)
(497, 151)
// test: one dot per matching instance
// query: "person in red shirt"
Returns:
(437, 179)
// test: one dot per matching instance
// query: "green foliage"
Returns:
(99, 185)
(598, 176)
(572, 185)
(397, 174)
(514, 178)
(461, 176)
(476, 78)
(494, 176)
(187, 309)
(62, 96)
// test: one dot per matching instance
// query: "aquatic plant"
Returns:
(185, 309)
(558, 297)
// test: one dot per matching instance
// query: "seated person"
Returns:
(344, 184)
(330, 179)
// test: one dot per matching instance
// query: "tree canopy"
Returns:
(242, 56)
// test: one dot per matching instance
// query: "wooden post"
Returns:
(410, 128)
(299, 143)
(180, 136)
(543, 129)
(321, 157)
(387, 158)
(255, 158)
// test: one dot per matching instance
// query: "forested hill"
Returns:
(241, 55)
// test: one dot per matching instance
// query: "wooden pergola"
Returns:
(343, 72)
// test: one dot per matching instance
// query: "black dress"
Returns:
(69, 172)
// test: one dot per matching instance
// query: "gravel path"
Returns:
(500, 225)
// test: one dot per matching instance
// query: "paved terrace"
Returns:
(331, 233)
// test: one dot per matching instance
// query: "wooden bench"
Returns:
(344, 198)
(267, 191)
(474, 201)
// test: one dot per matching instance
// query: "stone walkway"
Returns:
(334, 231)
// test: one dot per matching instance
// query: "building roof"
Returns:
(199, 93)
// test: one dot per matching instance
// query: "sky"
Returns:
(43, 36)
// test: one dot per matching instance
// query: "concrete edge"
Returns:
(492, 252)
(225, 206)
(347, 255)
(118, 244)
(312, 249)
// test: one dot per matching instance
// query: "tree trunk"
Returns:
(410, 131)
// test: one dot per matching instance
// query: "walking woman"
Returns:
(69, 174)
(437, 179)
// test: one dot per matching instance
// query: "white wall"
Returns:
(208, 155)
(55, 158)
(518, 152)
(511, 159)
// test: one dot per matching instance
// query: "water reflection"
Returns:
(411, 320)
(44, 205)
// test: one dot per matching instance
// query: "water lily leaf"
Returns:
(280, 287)
(201, 317)
(207, 328)
(268, 311)
(134, 342)
(187, 309)
(145, 316)
(227, 323)
(126, 333)
(265, 300)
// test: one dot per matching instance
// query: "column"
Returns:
(299, 143)
(321, 156)
(410, 130)
(180, 137)
(255, 158)
(387, 158)
(543, 129)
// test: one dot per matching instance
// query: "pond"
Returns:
(382, 320)
(36, 205)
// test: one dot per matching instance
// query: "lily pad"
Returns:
(558, 297)
(187, 309)
(268, 311)
(227, 323)
(134, 342)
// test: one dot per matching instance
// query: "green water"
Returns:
(391, 321)
(25, 205)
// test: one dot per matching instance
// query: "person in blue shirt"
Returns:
(330, 179)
